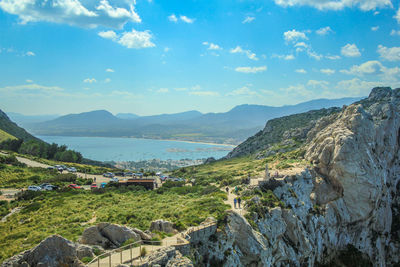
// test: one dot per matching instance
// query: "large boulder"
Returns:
(54, 251)
(117, 234)
(143, 235)
(92, 236)
(162, 226)
(109, 235)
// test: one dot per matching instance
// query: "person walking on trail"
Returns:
(236, 189)
(239, 200)
(227, 190)
(234, 202)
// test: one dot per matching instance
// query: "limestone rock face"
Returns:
(162, 226)
(108, 235)
(54, 251)
(350, 195)
(159, 257)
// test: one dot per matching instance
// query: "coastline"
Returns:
(131, 137)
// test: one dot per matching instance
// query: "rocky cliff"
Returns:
(342, 208)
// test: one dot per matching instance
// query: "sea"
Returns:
(135, 149)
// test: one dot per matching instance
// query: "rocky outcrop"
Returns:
(109, 235)
(54, 251)
(143, 235)
(162, 226)
(166, 257)
(84, 251)
(347, 198)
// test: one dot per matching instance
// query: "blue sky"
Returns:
(150, 57)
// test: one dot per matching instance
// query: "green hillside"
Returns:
(13, 129)
(5, 136)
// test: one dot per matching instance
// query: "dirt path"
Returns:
(230, 201)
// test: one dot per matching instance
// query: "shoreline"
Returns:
(129, 137)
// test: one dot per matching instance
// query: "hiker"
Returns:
(227, 190)
(239, 200)
(234, 202)
(236, 189)
(95, 179)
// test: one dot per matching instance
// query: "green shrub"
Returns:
(86, 259)
(143, 252)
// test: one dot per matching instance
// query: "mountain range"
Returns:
(230, 127)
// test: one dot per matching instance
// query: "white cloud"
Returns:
(364, 5)
(333, 57)
(293, 36)
(397, 16)
(204, 93)
(173, 18)
(302, 71)
(369, 67)
(394, 33)
(375, 28)
(374, 67)
(243, 91)
(108, 35)
(327, 71)
(110, 70)
(315, 84)
(350, 50)
(284, 57)
(324, 31)
(212, 46)
(248, 53)
(30, 54)
(251, 69)
(358, 87)
(163, 90)
(90, 80)
(133, 39)
(31, 87)
(186, 19)
(389, 54)
(314, 55)
(72, 12)
(107, 80)
(29, 81)
(248, 19)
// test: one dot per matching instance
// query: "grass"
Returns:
(67, 213)
(233, 171)
(5, 136)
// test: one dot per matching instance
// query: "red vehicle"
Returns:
(93, 186)
(74, 186)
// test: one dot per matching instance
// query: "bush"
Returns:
(143, 252)
(86, 259)
(270, 184)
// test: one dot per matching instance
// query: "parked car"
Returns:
(130, 174)
(72, 169)
(120, 174)
(48, 188)
(114, 179)
(93, 186)
(51, 168)
(163, 178)
(75, 186)
(103, 185)
(34, 188)
(108, 174)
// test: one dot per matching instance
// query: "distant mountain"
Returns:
(11, 128)
(24, 120)
(231, 127)
(127, 116)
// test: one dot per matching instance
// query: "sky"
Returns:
(165, 56)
